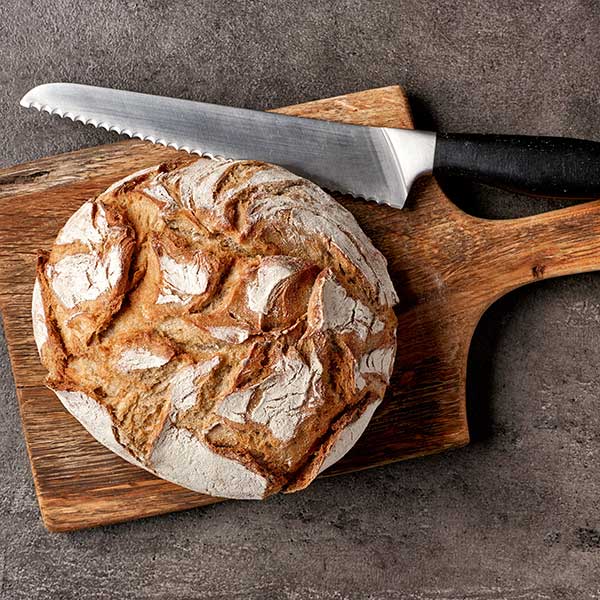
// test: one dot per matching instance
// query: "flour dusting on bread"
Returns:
(38, 316)
(181, 280)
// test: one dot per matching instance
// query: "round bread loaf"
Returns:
(226, 325)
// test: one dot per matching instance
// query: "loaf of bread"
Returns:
(226, 325)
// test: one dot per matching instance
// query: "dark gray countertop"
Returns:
(513, 515)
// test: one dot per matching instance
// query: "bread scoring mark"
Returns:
(232, 335)
(335, 309)
(159, 193)
(378, 326)
(115, 187)
(265, 176)
(315, 384)
(88, 225)
(73, 316)
(95, 418)
(291, 385)
(183, 459)
(315, 213)
(197, 182)
(135, 359)
(182, 280)
(270, 274)
(235, 405)
(184, 386)
(284, 392)
(78, 278)
(38, 316)
(349, 436)
(378, 362)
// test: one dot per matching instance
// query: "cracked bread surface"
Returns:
(226, 325)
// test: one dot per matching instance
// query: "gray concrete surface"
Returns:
(514, 515)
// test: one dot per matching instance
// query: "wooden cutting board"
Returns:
(448, 267)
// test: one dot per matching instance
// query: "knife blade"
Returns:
(375, 163)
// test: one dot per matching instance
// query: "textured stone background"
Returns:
(515, 514)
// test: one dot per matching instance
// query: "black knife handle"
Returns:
(538, 166)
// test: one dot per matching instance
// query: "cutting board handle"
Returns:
(560, 242)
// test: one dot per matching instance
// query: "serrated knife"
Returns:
(376, 163)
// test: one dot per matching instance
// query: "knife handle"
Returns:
(537, 166)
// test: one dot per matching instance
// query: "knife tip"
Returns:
(32, 98)
(26, 100)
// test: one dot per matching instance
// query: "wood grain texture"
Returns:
(447, 267)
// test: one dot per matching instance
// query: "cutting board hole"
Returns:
(487, 202)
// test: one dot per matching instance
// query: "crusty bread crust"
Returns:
(225, 325)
